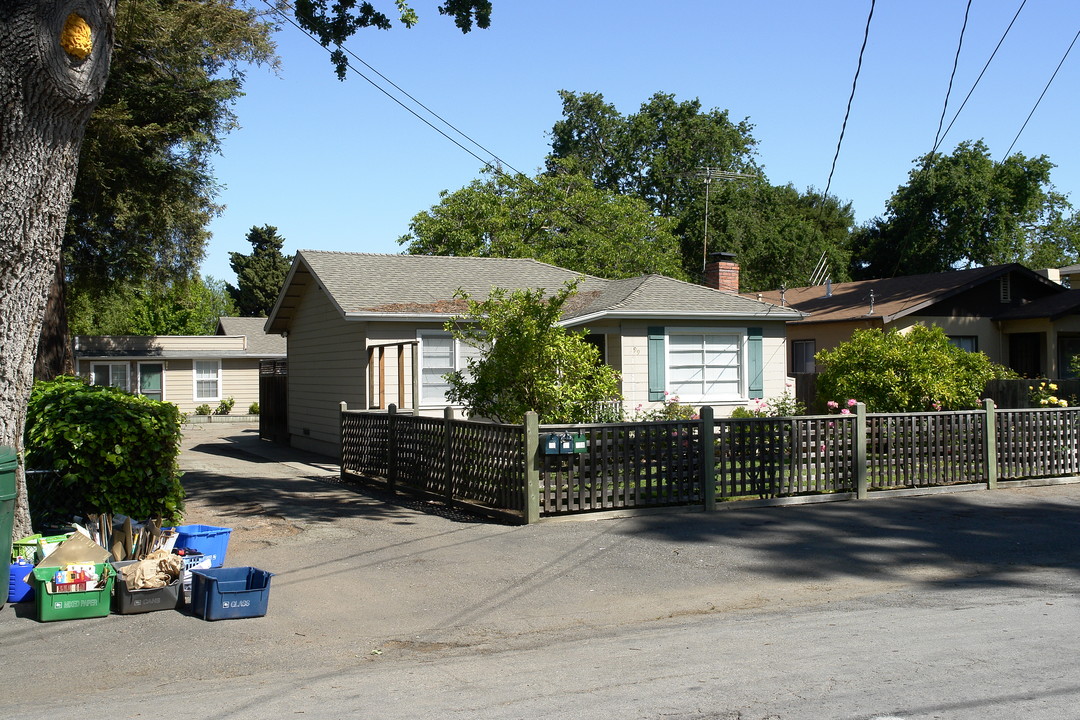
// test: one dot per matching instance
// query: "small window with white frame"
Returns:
(965, 342)
(207, 380)
(802, 356)
(440, 354)
(111, 375)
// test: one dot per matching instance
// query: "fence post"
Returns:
(532, 467)
(990, 438)
(708, 458)
(860, 451)
(391, 446)
(341, 429)
(448, 452)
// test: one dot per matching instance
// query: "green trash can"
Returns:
(9, 460)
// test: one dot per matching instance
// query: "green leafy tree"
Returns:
(912, 371)
(180, 308)
(527, 361)
(657, 154)
(965, 210)
(260, 275)
(145, 189)
(559, 218)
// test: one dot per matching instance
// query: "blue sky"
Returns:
(339, 166)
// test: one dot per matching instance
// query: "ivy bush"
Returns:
(111, 452)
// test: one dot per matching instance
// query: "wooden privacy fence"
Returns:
(506, 470)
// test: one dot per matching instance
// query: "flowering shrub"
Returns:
(784, 406)
(1043, 395)
(849, 404)
(672, 409)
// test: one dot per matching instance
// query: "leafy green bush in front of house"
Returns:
(913, 371)
(225, 406)
(203, 409)
(110, 452)
(253, 409)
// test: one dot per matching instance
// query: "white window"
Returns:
(440, 354)
(802, 356)
(207, 380)
(965, 342)
(110, 374)
(705, 366)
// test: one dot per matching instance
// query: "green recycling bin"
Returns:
(9, 460)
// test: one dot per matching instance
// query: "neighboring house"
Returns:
(1018, 317)
(186, 370)
(369, 330)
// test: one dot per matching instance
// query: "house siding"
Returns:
(327, 358)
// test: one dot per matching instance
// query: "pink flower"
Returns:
(852, 402)
(822, 448)
(833, 404)
(845, 411)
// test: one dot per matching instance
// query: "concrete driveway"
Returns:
(384, 595)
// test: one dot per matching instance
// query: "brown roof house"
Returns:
(188, 370)
(1018, 317)
(367, 329)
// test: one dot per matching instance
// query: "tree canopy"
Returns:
(527, 360)
(145, 189)
(661, 154)
(963, 210)
(182, 307)
(260, 275)
(558, 218)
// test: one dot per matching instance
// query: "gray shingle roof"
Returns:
(364, 284)
(259, 342)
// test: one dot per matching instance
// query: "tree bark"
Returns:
(54, 60)
(54, 356)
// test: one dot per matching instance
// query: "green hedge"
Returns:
(111, 452)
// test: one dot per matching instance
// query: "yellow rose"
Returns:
(1053, 386)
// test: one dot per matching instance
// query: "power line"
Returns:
(983, 72)
(854, 82)
(485, 163)
(1042, 94)
(952, 76)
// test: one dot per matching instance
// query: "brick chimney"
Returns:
(722, 272)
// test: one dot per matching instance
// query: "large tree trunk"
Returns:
(54, 59)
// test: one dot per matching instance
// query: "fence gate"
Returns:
(274, 401)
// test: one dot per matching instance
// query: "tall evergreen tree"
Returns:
(260, 275)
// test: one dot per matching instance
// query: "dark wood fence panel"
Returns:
(651, 464)
(1037, 443)
(488, 465)
(1015, 394)
(923, 449)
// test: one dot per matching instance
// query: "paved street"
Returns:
(955, 606)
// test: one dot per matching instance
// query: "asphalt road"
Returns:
(950, 606)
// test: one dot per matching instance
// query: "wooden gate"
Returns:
(274, 401)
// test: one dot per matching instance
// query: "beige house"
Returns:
(368, 330)
(186, 370)
(1019, 318)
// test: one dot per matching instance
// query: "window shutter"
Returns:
(755, 366)
(657, 379)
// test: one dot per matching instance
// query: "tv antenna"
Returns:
(708, 174)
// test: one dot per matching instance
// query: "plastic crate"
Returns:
(25, 547)
(71, 605)
(226, 593)
(18, 589)
(207, 539)
(130, 602)
(192, 562)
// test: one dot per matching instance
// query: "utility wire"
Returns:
(485, 163)
(1042, 94)
(952, 75)
(983, 72)
(854, 82)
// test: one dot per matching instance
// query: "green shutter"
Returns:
(657, 377)
(755, 365)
